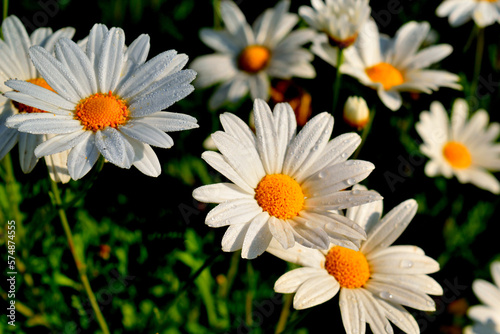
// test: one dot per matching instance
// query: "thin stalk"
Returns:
(79, 264)
(5, 9)
(10, 187)
(338, 75)
(364, 134)
(477, 61)
(250, 294)
(231, 274)
(285, 313)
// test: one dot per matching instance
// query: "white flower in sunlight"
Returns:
(283, 184)
(16, 64)
(108, 101)
(483, 12)
(486, 317)
(247, 57)
(339, 20)
(374, 282)
(396, 65)
(462, 148)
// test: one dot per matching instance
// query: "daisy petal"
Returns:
(61, 143)
(236, 211)
(353, 316)
(316, 290)
(257, 238)
(82, 157)
(292, 280)
(219, 193)
(234, 236)
(390, 227)
(26, 144)
(114, 147)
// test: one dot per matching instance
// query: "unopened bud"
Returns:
(356, 112)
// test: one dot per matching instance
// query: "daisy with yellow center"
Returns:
(16, 64)
(393, 66)
(483, 12)
(486, 316)
(283, 185)
(247, 57)
(374, 282)
(108, 101)
(338, 21)
(460, 147)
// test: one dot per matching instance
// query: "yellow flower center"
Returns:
(22, 108)
(386, 74)
(457, 155)
(99, 111)
(348, 266)
(253, 58)
(280, 196)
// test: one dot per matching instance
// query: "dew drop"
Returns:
(351, 181)
(385, 295)
(355, 191)
(344, 155)
(321, 175)
(406, 264)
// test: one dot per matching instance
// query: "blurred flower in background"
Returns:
(340, 20)
(109, 101)
(16, 64)
(391, 66)
(247, 57)
(296, 96)
(486, 317)
(374, 282)
(483, 12)
(283, 183)
(461, 147)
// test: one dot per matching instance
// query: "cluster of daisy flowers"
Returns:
(293, 194)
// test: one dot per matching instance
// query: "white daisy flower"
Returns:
(486, 317)
(247, 57)
(374, 282)
(393, 65)
(283, 183)
(108, 101)
(462, 148)
(483, 12)
(16, 64)
(339, 20)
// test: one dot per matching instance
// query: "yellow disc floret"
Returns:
(348, 266)
(280, 196)
(457, 155)
(253, 58)
(22, 108)
(386, 74)
(99, 111)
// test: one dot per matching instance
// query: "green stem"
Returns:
(217, 17)
(250, 294)
(364, 134)
(338, 75)
(478, 61)
(13, 193)
(79, 264)
(231, 274)
(5, 9)
(285, 313)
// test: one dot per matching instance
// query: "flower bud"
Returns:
(356, 112)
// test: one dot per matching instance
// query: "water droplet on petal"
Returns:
(351, 181)
(406, 264)
(385, 295)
